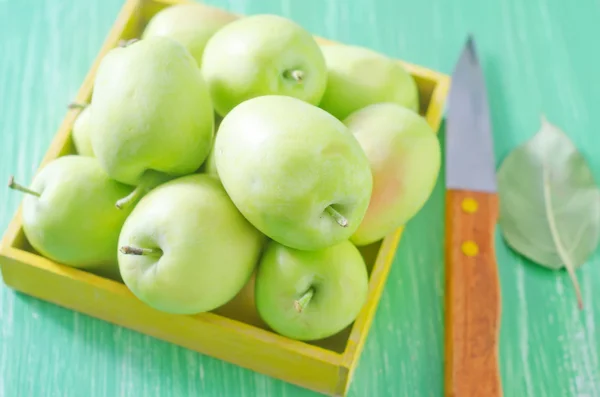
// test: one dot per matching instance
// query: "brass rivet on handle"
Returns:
(469, 205)
(470, 248)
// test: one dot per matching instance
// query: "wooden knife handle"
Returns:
(472, 296)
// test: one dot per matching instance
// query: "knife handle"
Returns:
(473, 296)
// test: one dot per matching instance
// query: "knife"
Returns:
(472, 302)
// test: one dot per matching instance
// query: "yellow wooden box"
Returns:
(234, 332)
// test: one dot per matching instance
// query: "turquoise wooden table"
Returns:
(539, 56)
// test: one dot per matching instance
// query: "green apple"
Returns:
(405, 157)
(186, 248)
(152, 115)
(310, 295)
(191, 24)
(294, 171)
(81, 130)
(262, 55)
(69, 214)
(358, 77)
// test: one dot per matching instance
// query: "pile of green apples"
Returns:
(219, 150)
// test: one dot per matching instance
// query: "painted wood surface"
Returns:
(539, 56)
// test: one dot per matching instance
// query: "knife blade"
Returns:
(472, 302)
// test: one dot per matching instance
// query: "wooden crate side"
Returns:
(117, 288)
(362, 324)
(244, 345)
(436, 109)
(436, 90)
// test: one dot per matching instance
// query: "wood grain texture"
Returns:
(472, 310)
(538, 56)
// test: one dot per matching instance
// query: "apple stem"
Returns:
(15, 186)
(128, 250)
(125, 43)
(78, 105)
(339, 218)
(300, 304)
(130, 198)
(297, 75)
(150, 179)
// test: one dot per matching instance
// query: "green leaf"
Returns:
(549, 202)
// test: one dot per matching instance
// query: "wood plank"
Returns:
(537, 58)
